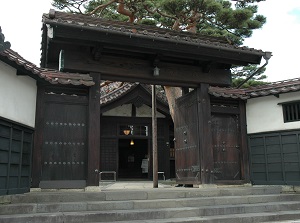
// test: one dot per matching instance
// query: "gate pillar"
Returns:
(205, 142)
(94, 132)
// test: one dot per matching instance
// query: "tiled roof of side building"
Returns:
(91, 22)
(49, 75)
(273, 88)
(228, 93)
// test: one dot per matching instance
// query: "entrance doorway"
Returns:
(132, 152)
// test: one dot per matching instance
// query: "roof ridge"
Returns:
(271, 85)
(136, 25)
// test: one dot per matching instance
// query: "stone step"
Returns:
(268, 217)
(207, 213)
(46, 197)
(31, 208)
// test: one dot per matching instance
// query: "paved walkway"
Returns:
(134, 185)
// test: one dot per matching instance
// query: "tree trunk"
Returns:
(172, 93)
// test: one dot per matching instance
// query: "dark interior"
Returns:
(130, 158)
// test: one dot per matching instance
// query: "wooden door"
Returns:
(64, 151)
(187, 159)
(226, 149)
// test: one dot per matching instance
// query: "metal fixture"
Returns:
(266, 56)
(156, 71)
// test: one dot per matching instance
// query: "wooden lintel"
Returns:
(97, 52)
(132, 69)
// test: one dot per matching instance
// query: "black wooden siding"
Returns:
(15, 157)
(275, 158)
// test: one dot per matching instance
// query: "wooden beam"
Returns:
(132, 69)
(153, 44)
(94, 132)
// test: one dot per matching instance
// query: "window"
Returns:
(291, 111)
(137, 130)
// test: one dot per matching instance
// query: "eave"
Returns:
(46, 76)
(151, 43)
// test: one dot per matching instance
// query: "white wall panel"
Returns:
(125, 111)
(17, 96)
(264, 114)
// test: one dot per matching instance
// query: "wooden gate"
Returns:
(187, 161)
(226, 149)
(64, 148)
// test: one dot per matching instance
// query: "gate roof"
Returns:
(77, 27)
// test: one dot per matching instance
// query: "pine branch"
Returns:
(121, 9)
(102, 6)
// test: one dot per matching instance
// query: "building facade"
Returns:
(273, 133)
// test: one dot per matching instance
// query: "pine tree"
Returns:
(208, 17)
(234, 20)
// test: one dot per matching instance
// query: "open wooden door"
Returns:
(186, 132)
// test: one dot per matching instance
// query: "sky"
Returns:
(21, 22)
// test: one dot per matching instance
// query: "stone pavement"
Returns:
(135, 185)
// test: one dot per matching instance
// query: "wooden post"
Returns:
(154, 138)
(38, 138)
(245, 172)
(205, 141)
(94, 132)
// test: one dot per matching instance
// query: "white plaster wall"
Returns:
(146, 111)
(125, 111)
(17, 96)
(264, 114)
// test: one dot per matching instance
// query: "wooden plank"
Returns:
(94, 132)
(132, 69)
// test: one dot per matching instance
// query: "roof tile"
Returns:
(52, 76)
(140, 29)
(273, 88)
